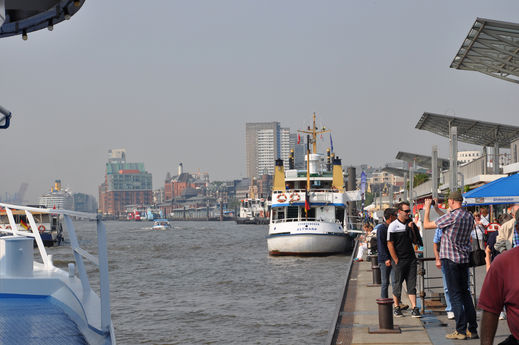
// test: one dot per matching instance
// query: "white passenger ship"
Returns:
(309, 207)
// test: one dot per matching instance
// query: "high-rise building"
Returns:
(125, 184)
(265, 142)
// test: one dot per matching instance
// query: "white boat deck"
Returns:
(36, 320)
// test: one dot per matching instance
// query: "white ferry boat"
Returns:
(43, 304)
(309, 207)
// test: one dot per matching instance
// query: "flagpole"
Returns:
(307, 174)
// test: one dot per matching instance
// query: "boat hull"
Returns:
(306, 238)
(306, 244)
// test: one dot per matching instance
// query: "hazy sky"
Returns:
(176, 81)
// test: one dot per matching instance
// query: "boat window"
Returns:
(292, 212)
(311, 213)
(279, 214)
(339, 214)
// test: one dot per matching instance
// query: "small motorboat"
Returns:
(161, 224)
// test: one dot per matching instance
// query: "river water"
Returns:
(212, 283)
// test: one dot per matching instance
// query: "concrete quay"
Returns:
(357, 312)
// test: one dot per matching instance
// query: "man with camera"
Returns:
(456, 226)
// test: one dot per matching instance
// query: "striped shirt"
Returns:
(456, 227)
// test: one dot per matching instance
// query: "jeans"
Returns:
(446, 289)
(456, 276)
(385, 274)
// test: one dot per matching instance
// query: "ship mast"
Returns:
(314, 132)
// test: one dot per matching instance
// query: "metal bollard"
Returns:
(375, 272)
(374, 260)
(385, 317)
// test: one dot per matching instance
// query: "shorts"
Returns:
(405, 270)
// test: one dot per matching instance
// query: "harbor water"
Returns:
(212, 283)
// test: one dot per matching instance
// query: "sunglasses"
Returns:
(406, 211)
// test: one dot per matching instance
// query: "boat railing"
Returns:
(288, 220)
(101, 261)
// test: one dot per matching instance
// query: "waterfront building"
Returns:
(57, 198)
(125, 184)
(185, 184)
(264, 143)
(84, 202)
(468, 156)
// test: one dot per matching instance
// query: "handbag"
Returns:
(477, 256)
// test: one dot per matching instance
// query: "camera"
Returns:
(433, 202)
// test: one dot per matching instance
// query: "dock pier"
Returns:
(356, 313)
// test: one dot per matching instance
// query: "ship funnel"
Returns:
(57, 185)
(279, 176)
(338, 176)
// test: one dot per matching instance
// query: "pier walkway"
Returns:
(358, 311)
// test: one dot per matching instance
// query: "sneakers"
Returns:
(456, 335)
(358, 260)
(403, 306)
(397, 312)
(416, 312)
(471, 335)
(450, 315)
(502, 316)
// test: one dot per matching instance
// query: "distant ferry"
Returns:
(309, 207)
(253, 211)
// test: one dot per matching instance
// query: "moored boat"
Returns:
(253, 211)
(309, 207)
(49, 225)
(43, 304)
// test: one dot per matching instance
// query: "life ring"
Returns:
(282, 197)
(294, 197)
(8, 227)
(41, 228)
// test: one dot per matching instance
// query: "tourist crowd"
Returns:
(460, 237)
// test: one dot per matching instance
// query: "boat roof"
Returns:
(161, 220)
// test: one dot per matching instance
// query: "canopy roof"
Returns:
(501, 191)
(422, 160)
(23, 16)
(395, 171)
(491, 47)
(469, 131)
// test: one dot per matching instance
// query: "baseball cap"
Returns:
(455, 195)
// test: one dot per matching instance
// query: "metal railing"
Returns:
(303, 219)
(101, 261)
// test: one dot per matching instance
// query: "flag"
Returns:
(331, 142)
(363, 180)
(24, 224)
(298, 139)
(307, 202)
